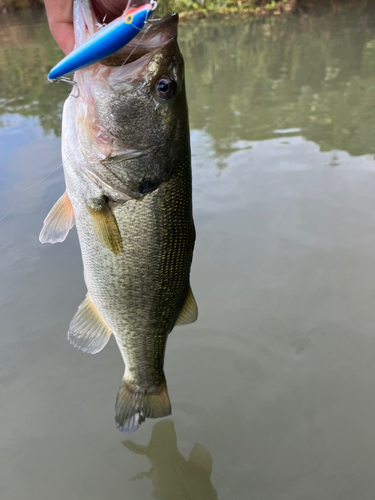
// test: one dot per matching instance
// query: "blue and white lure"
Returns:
(104, 42)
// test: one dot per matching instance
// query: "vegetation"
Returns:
(12, 5)
(184, 6)
(195, 9)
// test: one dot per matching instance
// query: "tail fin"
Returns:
(133, 405)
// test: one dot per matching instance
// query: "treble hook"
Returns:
(102, 24)
(65, 79)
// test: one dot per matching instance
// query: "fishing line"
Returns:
(154, 4)
(136, 47)
(38, 182)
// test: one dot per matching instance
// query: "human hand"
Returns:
(60, 17)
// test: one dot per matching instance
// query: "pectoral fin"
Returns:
(189, 312)
(58, 222)
(105, 226)
(88, 331)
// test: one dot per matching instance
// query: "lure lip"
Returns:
(104, 42)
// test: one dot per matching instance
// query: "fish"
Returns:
(127, 168)
(174, 477)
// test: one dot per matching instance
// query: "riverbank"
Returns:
(188, 9)
(209, 9)
(228, 9)
(203, 9)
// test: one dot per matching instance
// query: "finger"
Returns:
(60, 20)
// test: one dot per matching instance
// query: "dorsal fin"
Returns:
(189, 312)
(58, 222)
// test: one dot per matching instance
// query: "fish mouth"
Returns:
(156, 34)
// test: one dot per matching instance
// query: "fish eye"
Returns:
(165, 87)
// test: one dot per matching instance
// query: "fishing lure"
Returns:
(104, 42)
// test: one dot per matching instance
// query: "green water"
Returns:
(276, 380)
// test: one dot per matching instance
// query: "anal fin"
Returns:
(88, 331)
(105, 226)
(58, 222)
(189, 312)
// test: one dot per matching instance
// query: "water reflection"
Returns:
(173, 477)
(316, 73)
(27, 52)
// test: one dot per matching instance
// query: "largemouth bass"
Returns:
(126, 157)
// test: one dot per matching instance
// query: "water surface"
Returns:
(276, 380)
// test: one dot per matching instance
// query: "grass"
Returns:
(195, 9)
(189, 9)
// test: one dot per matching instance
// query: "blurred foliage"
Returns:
(183, 5)
(245, 80)
(209, 8)
(12, 5)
